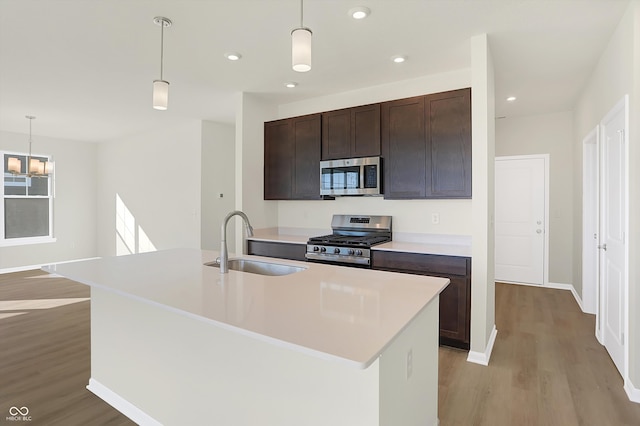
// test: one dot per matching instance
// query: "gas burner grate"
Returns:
(350, 240)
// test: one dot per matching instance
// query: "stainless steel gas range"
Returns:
(351, 240)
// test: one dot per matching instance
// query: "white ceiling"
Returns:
(85, 68)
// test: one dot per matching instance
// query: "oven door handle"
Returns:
(338, 258)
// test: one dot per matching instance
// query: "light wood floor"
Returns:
(44, 354)
(546, 368)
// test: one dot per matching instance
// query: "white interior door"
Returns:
(613, 228)
(520, 219)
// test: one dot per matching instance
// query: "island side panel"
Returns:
(409, 373)
(181, 370)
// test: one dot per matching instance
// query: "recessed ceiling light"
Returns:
(233, 56)
(511, 98)
(359, 12)
(291, 84)
(398, 59)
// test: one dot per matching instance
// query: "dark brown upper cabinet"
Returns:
(449, 143)
(292, 157)
(351, 132)
(426, 146)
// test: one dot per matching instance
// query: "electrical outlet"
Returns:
(435, 218)
(409, 363)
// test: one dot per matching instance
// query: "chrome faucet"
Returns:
(224, 253)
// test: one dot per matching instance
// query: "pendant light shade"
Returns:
(36, 166)
(301, 46)
(301, 49)
(160, 94)
(14, 165)
(161, 87)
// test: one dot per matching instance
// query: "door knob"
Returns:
(539, 231)
(603, 247)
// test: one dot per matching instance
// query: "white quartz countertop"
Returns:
(442, 249)
(446, 245)
(333, 312)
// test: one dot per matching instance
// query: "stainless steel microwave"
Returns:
(351, 176)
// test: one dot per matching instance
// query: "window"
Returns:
(27, 203)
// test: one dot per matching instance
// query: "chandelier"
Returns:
(35, 167)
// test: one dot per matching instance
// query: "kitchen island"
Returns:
(176, 342)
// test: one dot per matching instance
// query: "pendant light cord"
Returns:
(301, 12)
(161, 47)
(30, 117)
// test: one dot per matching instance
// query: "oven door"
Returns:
(338, 259)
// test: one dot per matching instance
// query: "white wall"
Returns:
(413, 216)
(483, 204)
(251, 113)
(218, 183)
(74, 203)
(617, 74)
(157, 176)
(548, 134)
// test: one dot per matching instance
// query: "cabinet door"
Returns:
(351, 132)
(336, 134)
(404, 148)
(455, 299)
(278, 160)
(455, 307)
(449, 144)
(365, 131)
(306, 157)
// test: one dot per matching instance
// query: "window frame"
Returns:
(7, 242)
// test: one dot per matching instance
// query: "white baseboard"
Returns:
(572, 289)
(632, 392)
(121, 404)
(482, 358)
(19, 269)
(32, 267)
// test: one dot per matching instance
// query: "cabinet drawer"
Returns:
(423, 264)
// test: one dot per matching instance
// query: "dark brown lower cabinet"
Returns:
(455, 300)
(276, 249)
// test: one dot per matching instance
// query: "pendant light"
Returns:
(35, 167)
(301, 46)
(161, 87)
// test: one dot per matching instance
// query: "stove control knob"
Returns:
(358, 252)
(316, 248)
(336, 250)
(323, 249)
(351, 252)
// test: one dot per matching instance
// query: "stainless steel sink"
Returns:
(259, 267)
